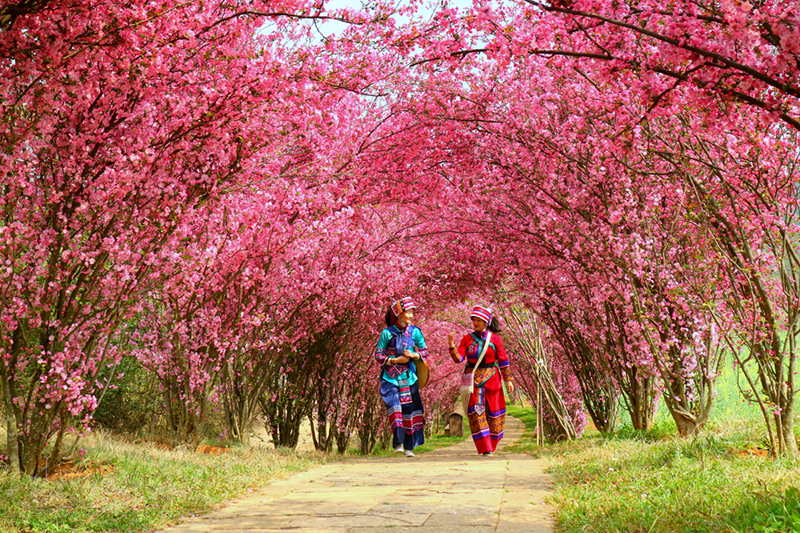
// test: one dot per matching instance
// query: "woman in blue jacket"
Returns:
(398, 346)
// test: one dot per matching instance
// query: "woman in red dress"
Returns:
(487, 404)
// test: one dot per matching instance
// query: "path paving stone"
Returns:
(448, 490)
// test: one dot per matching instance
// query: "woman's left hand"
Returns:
(410, 354)
(510, 386)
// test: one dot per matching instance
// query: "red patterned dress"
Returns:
(487, 406)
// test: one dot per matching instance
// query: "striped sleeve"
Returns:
(462, 348)
(380, 349)
(502, 359)
(419, 342)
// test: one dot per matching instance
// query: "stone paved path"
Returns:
(448, 490)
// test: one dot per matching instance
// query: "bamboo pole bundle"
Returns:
(523, 325)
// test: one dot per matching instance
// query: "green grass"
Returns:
(144, 488)
(707, 485)
(633, 481)
(655, 481)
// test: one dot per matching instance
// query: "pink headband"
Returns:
(483, 313)
(403, 304)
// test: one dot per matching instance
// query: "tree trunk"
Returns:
(244, 434)
(641, 408)
(12, 439)
(603, 409)
(55, 455)
(784, 423)
(369, 429)
(690, 415)
(640, 397)
(687, 426)
(342, 441)
(29, 458)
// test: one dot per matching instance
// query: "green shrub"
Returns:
(133, 403)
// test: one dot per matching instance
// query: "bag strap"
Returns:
(478, 339)
(398, 335)
(483, 352)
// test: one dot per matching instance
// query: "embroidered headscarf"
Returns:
(403, 304)
(484, 313)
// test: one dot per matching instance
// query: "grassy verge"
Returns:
(138, 487)
(657, 482)
(123, 487)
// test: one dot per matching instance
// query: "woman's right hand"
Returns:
(400, 360)
(451, 348)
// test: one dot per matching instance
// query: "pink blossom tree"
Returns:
(119, 120)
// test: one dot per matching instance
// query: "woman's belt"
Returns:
(482, 365)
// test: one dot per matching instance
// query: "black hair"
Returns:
(494, 326)
(389, 318)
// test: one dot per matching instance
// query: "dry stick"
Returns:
(539, 414)
(529, 338)
(564, 417)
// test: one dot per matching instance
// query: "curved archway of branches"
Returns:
(214, 191)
